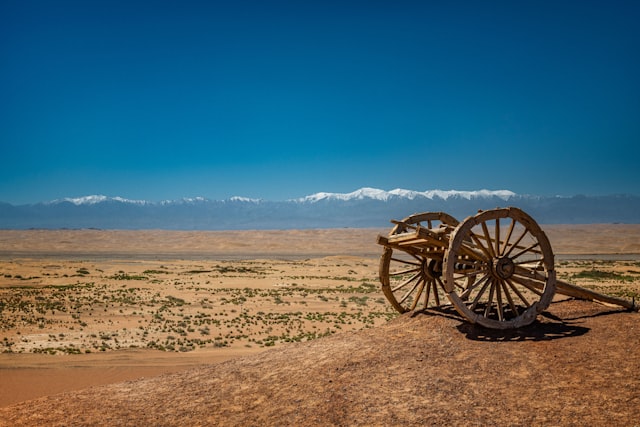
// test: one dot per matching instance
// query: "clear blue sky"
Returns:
(279, 99)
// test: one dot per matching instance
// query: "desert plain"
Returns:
(83, 308)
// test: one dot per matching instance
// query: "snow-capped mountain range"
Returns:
(361, 194)
(382, 195)
(94, 199)
(365, 207)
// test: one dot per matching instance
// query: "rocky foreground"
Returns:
(578, 365)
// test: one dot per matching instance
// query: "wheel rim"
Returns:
(499, 269)
(413, 281)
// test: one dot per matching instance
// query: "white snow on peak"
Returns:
(123, 200)
(360, 194)
(502, 194)
(183, 201)
(377, 194)
(97, 198)
(86, 200)
(244, 199)
(363, 193)
(193, 199)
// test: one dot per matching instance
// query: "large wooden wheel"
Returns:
(411, 276)
(499, 269)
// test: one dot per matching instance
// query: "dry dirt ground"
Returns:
(578, 365)
(234, 314)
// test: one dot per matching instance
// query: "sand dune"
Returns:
(565, 239)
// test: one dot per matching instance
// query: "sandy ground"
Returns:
(578, 365)
(159, 244)
(89, 307)
(28, 376)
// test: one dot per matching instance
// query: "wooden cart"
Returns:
(496, 268)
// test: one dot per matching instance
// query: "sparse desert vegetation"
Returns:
(95, 306)
(78, 307)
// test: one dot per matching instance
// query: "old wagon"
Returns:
(496, 268)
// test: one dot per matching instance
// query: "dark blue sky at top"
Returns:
(275, 99)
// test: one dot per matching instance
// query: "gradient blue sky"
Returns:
(279, 99)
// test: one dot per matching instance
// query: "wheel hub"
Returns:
(432, 269)
(503, 267)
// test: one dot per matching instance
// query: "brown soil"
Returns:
(578, 365)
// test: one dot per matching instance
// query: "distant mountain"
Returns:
(366, 207)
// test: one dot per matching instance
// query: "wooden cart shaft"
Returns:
(571, 290)
(586, 294)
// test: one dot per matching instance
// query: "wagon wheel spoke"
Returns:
(532, 274)
(458, 285)
(430, 284)
(487, 308)
(472, 272)
(406, 282)
(517, 292)
(476, 300)
(440, 283)
(528, 249)
(410, 291)
(436, 290)
(467, 292)
(403, 272)
(518, 240)
(416, 298)
(485, 231)
(480, 245)
(498, 286)
(506, 240)
(404, 261)
(505, 289)
(532, 285)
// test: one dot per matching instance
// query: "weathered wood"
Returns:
(419, 251)
(493, 304)
(382, 240)
(569, 289)
(437, 237)
(494, 279)
(409, 266)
